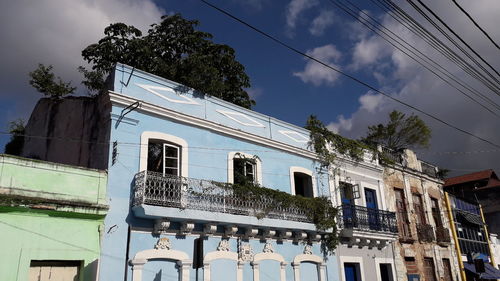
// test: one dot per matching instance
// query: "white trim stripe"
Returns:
(154, 89)
(233, 115)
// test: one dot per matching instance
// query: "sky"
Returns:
(285, 85)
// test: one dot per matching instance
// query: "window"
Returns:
(402, 214)
(243, 168)
(419, 208)
(385, 272)
(436, 212)
(429, 270)
(303, 184)
(352, 271)
(244, 171)
(54, 270)
(447, 270)
(163, 157)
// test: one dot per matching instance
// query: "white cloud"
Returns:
(321, 22)
(341, 124)
(254, 92)
(409, 82)
(316, 73)
(293, 11)
(55, 32)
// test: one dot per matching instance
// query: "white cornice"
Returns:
(123, 100)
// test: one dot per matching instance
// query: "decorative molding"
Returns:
(299, 236)
(251, 232)
(153, 89)
(246, 253)
(163, 244)
(230, 230)
(320, 265)
(308, 250)
(268, 248)
(223, 246)
(143, 257)
(186, 227)
(161, 226)
(237, 154)
(284, 235)
(210, 228)
(268, 233)
(233, 115)
(295, 136)
(146, 135)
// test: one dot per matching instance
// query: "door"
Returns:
(429, 270)
(54, 271)
(350, 270)
(372, 208)
(348, 207)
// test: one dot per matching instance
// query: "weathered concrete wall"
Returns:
(409, 178)
(73, 131)
(49, 212)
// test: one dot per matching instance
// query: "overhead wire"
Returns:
(407, 48)
(293, 49)
(443, 32)
(415, 27)
(475, 23)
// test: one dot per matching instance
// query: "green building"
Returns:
(51, 218)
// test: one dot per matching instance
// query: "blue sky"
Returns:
(285, 85)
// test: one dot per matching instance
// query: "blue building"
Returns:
(170, 153)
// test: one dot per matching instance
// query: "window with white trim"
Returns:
(164, 157)
(244, 170)
(303, 184)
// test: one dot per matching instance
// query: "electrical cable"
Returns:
(346, 74)
(475, 23)
(421, 56)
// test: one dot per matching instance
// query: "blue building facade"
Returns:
(171, 151)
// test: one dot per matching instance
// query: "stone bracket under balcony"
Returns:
(356, 238)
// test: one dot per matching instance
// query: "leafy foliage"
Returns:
(400, 133)
(173, 49)
(45, 82)
(328, 145)
(15, 145)
(319, 209)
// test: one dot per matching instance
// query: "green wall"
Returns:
(49, 212)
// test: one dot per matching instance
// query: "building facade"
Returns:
(424, 249)
(51, 219)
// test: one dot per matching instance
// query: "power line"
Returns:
(412, 25)
(345, 74)
(475, 23)
(378, 28)
(456, 35)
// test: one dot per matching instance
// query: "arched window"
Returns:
(163, 153)
(244, 168)
(301, 181)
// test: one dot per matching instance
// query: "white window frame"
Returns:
(349, 259)
(297, 169)
(181, 143)
(378, 261)
(238, 154)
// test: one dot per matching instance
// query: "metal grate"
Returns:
(153, 188)
(425, 233)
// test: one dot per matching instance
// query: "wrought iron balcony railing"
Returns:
(392, 155)
(442, 235)
(186, 193)
(428, 169)
(425, 233)
(362, 218)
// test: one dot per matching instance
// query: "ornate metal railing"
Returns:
(392, 155)
(428, 169)
(362, 218)
(442, 235)
(186, 193)
(425, 233)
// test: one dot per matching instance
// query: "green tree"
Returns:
(15, 145)
(172, 49)
(45, 82)
(401, 132)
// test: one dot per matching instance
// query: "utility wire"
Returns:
(457, 36)
(421, 59)
(412, 25)
(475, 23)
(293, 49)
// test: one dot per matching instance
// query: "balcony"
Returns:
(392, 156)
(428, 169)
(443, 236)
(425, 233)
(158, 196)
(365, 226)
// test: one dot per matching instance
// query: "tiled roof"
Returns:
(486, 174)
